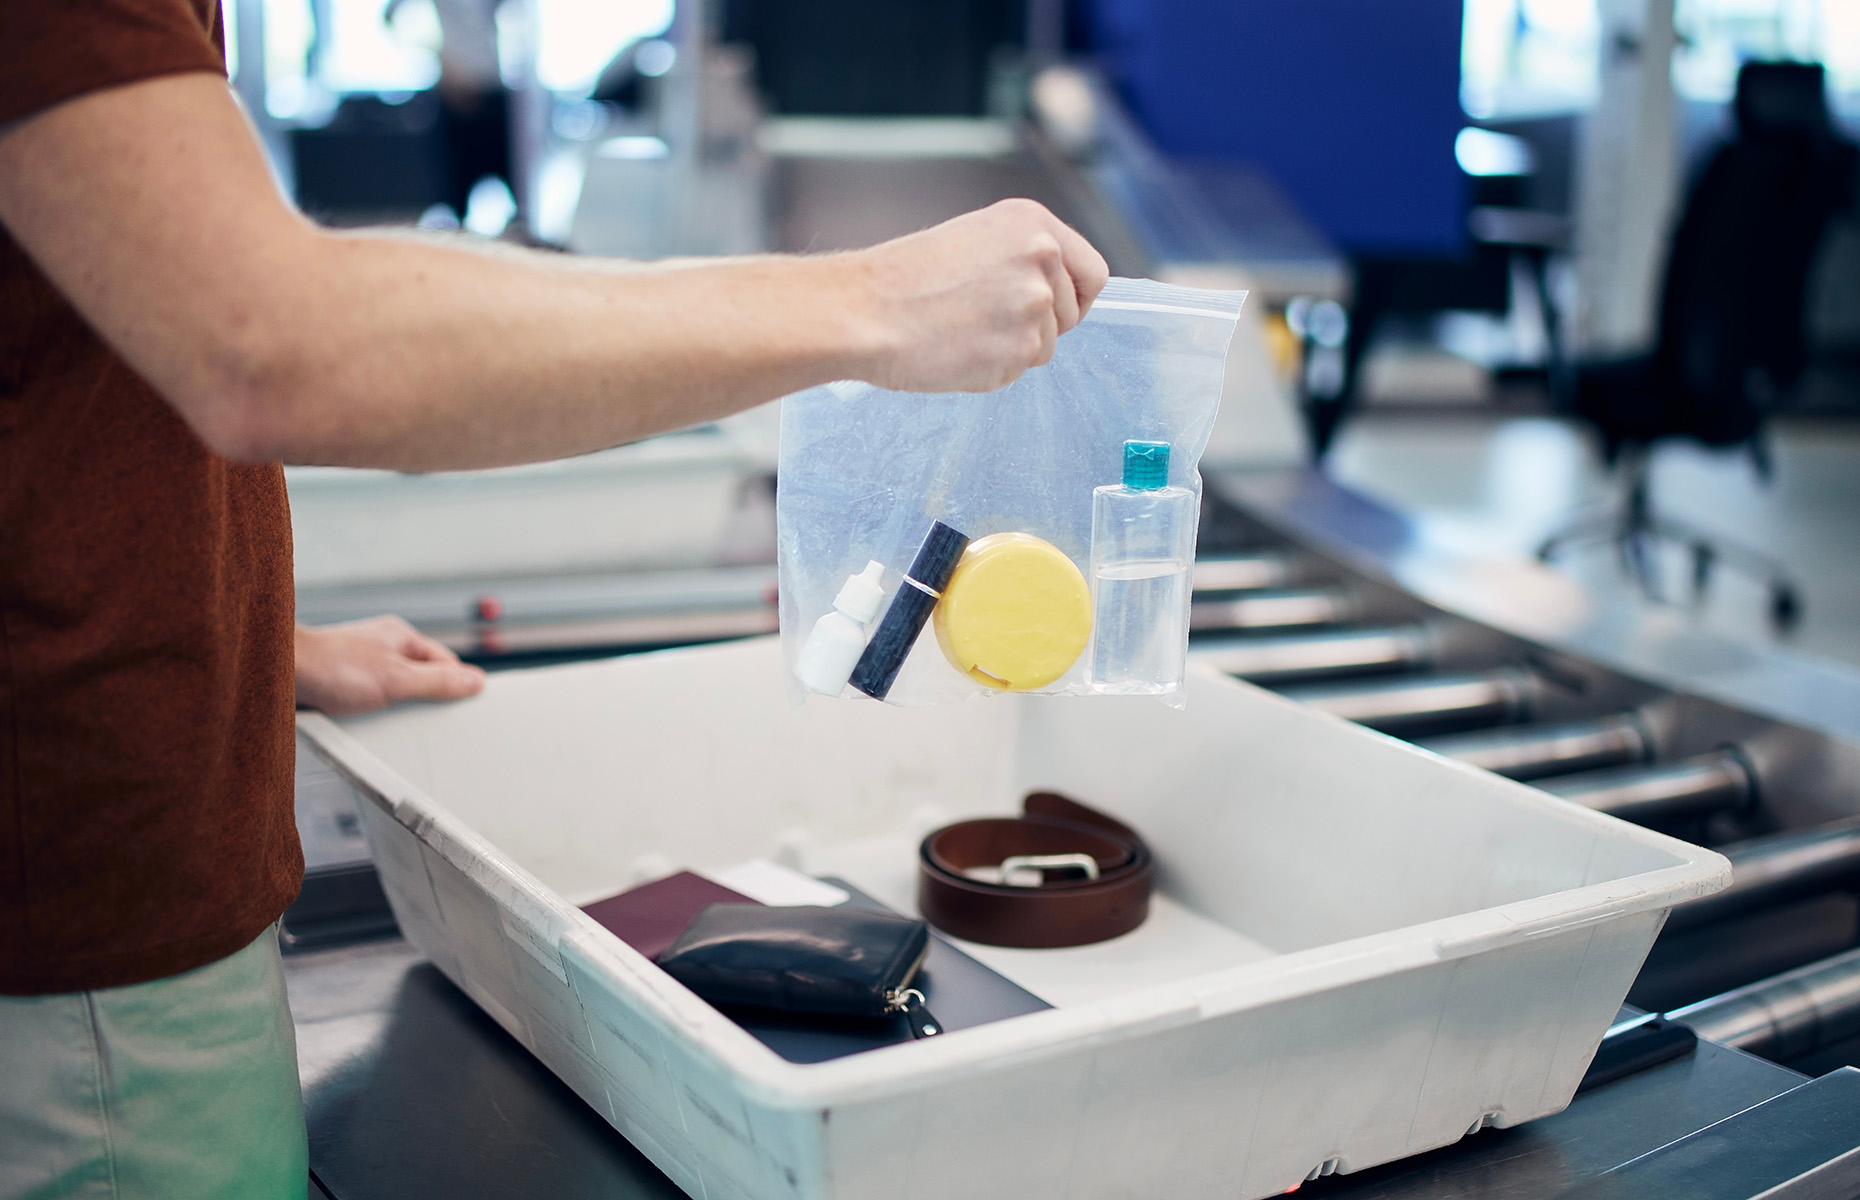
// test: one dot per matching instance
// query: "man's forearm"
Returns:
(417, 355)
(280, 340)
(150, 206)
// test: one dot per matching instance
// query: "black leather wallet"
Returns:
(842, 962)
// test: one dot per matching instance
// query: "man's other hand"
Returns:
(364, 665)
(971, 303)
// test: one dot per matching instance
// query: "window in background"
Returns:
(363, 52)
(1521, 57)
(229, 35)
(1525, 57)
(415, 23)
(575, 39)
(1717, 36)
(290, 35)
(304, 57)
(317, 50)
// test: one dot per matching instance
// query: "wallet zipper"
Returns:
(909, 1001)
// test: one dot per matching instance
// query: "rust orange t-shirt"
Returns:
(146, 739)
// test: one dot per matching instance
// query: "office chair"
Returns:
(1731, 342)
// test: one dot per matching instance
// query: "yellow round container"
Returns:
(1016, 614)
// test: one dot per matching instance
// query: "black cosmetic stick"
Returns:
(923, 585)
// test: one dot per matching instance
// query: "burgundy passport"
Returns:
(650, 917)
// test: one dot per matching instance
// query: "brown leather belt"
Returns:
(1104, 890)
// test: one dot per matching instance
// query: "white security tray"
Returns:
(1359, 951)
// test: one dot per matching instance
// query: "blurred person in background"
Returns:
(171, 330)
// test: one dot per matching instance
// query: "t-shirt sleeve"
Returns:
(54, 50)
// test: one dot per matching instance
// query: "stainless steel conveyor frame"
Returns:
(1494, 668)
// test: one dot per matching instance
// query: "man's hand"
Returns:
(364, 665)
(977, 300)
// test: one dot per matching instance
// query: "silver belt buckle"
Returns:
(1036, 866)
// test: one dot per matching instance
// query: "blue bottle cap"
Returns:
(1146, 465)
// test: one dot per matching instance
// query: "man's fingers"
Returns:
(1050, 329)
(958, 296)
(415, 680)
(1065, 294)
(1084, 265)
(403, 639)
(420, 648)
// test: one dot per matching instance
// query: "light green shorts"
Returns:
(183, 1087)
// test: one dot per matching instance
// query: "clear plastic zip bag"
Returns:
(1038, 538)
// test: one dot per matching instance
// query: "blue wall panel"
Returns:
(1352, 104)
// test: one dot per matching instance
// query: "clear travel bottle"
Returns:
(1142, 553)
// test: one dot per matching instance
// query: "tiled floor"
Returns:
(1497, 485)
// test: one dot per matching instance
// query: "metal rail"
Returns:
(1535, 751)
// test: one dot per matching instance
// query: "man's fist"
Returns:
(365, 665)
(970, 304)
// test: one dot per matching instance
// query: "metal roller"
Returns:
(1652, 795)
(1535, 751)
(1272, 609)
(1489, 698)
(1241, 572)
(1317, 655)
(1787, 1015)
(1773, 870)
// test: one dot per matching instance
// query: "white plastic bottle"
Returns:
(837, 639)
(1142, 553)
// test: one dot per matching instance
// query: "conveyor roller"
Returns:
(1241, 572)
(1664, 792)
(1773, 870)
(1787, 1015)
(1278, 608)
(1317, 655)
(1536, 751)
(1487, 698)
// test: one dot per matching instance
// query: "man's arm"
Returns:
(151, 208)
